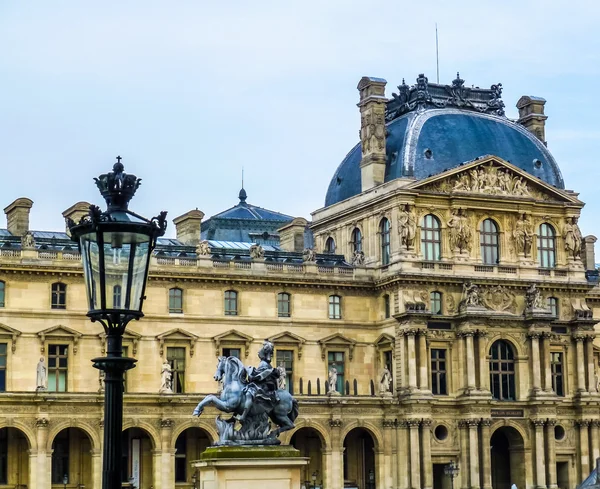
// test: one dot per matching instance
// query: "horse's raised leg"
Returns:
(283, 422)
(208, 400)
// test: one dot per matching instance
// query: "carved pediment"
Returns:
(337, 340)
(177, 335)
(10, 333)
(385, 341)
(232, 337)
(59, 333)
(128, 336)
(287, 338)
(491, 175)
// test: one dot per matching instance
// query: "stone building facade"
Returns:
(449, 286)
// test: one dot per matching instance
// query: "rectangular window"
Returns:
(232, 352)
(231, 303)
(556, 365)
(176, 301)
(58, 356)
(438, 372)
(335, 360)
(59, 296)
(283, 305)
(176, 357)
(180, 458)
(386, 306)
(335, 307)
(285, 359)
(3, 355)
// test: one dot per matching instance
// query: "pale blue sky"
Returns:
(188, 92)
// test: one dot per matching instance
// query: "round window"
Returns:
(559, 432)
(441, 432)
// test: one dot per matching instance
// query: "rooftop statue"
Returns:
(253, 397)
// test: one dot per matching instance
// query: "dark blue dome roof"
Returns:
(423, 143)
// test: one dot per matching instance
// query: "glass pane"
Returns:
(51, 381)
(2, 380)
(62, 362)
(2, 348)
(62, 381)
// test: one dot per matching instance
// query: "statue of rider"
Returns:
(262, 381)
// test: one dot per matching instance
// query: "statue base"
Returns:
(250, 467)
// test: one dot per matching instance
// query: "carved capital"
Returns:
(425, 423)
(41, 423)
(388, 423)
(534, 335)
(413, 423)
(472, 423)
(551, 422)
(538, 423)
(583, 423)
(486, 422)
(167, 423)
(335, 423)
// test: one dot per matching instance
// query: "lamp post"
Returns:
(195, 480)
(451, 470)
(371, 479)
(65, 480)
(115, 247)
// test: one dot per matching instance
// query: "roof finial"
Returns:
(242, 195)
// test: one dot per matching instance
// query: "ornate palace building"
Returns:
(445, 280)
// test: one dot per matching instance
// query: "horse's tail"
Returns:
(293, 414)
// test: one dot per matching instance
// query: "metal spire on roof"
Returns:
(242, 195)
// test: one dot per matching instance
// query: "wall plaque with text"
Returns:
(507, 413)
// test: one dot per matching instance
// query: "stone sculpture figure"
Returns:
(572, 236)
(253, 397)
(309, 255)
(332, 380)
(385, 381)
(28, 241)
(358, 258)
(41, 377)
(101, 378)
(523, 235)
(257, 251)
(460, 231)
(533, 298)
(203, 248)
(471, 295)
(281, 380)
(407, 228)
(166, 378)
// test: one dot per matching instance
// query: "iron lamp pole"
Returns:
(451, 470)
(116, 246)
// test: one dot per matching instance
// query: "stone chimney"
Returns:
(372, 131)
(291, 236)
(76, 212)
(188, 227)
(531, 115)
(588, 256)
(17, 216)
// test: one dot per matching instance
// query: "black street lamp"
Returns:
(371, 479)
(115, 247)
(65, 480)
(451, 470)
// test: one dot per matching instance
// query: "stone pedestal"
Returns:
(250, 467)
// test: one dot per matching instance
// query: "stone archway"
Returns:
(508, 458)
(14, 457)
(190, 443)
(359, 459)
(72, 458)
(138, 463)
(311, 444)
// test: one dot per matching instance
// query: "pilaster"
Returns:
(584, 456)
(402, 455)
(486, 465)
(551, 454)
(473, 454)
(415, 459)
(426, 465)
(540, 459)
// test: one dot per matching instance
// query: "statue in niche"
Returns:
(332, 380)
(166, 378)
(309, 255)
(533, 298)
(523, 235)
(282, 379)
(358, 258)
(28, 241)
(41, 377)
(385, 381)
(459, 231)
(572, 236)
(203, 248)
(471, 295)
(407, 227)
(257, 252)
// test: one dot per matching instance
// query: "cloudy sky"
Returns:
(189, 92)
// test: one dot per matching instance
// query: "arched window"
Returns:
(231, 303)
(175, 300)
(284, 309)
(431, 242)
(553, 306)
(384, 236)
(59, 296)
(335, 307)
(2, 293)
(117, 297)
(489, 239)
(435, 298)
(502, 371)
(356, 240)
(547, 246)
(330, 245)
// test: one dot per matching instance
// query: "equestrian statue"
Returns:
(253, 397)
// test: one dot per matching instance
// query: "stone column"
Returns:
(470, 361)
(484, 376)
(589, 344)
(486, 465)
(415, 470)
(423, 361)
(551, 455)
(595, 440)
(167, 455)
(540, 462)
(427, 466)
(326, 456)
(473, 454)
(546, 363)
(464, 454)
(580, 363)
(584, 455)
(535, 361)
(400, 379)
(402, 455)
(385, 472)
(462, 363)
(412, 360)
(43, 462)
(337, 454)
